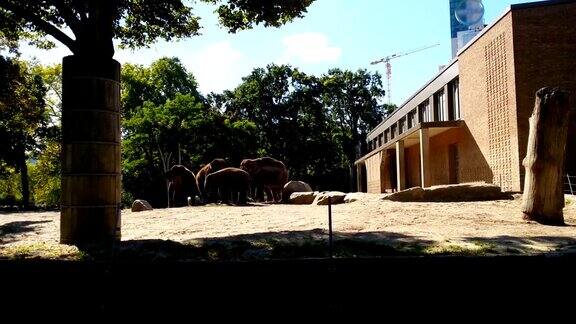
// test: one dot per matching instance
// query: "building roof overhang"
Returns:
(412, 136)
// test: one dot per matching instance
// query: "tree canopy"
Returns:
(23, 119)
(87, 27)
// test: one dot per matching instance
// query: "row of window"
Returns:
(444, 108)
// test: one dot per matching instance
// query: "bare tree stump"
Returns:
(543, 198)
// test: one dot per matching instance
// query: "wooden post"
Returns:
(543, 198)
(90, 202)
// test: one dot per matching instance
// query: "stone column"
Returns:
(425, 175)
(90, 200)
(400, 166)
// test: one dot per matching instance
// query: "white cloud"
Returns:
(309, 48)
(217, 67)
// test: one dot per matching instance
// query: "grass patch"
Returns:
(475, 249)
(43, 251)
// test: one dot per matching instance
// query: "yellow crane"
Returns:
(387, 59)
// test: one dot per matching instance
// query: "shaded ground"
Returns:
(368, 227)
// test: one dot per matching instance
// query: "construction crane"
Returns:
(389, 67)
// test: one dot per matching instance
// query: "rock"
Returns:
(355, 196)
(294, 186)
(336, 197)
(140, 205)
(465, 192)
(412, 194)
(302, 198)
(451, 193)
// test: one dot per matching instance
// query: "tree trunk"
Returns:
(543, 198)
(24, 181)
(91, 204)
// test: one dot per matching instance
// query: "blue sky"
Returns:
(346, 34)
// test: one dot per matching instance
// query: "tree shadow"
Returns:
(264, 246)
(312, 244)
(512, 245)
(9, 231)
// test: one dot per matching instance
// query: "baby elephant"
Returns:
(231, 184)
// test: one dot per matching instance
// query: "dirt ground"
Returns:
(492, 227)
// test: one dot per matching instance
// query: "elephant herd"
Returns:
(216, 181)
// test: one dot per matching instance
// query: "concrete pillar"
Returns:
(425, 176)
(400, 166)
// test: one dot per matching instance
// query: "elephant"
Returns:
(228, 184)
(182, 184)
(215, 165)
(267, 174)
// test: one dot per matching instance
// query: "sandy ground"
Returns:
(497, 225)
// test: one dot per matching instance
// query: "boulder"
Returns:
(412, 194)
(302, 198)
(141, 205)
(294, 186)
(451, 193)
(336, 197)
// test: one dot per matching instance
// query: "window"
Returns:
(401, 125)
(393, 132)
(380, 140)
(386, 136)
(439, 112)
(425, 113)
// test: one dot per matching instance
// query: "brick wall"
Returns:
(488, 103)
(545, 55)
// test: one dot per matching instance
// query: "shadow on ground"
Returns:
(9, 232)
(314, 244)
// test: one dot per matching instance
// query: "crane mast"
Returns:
(387, 59)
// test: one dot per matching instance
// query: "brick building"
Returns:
(470, 122)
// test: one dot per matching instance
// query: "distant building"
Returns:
(470, 122)
(466, 21)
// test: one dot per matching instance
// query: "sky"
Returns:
(345, 34)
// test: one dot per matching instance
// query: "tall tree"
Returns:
(353, 101)
(286, 107)
(22, 117)
(156, 83)
(91, 104)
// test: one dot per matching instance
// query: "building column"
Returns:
(425, 176)
(400, 166)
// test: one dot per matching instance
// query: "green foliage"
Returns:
(10, 189)
(161, 81)
(314, 124)
(45, 176)
(23, 118)
(241, 14)
(134, 23)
